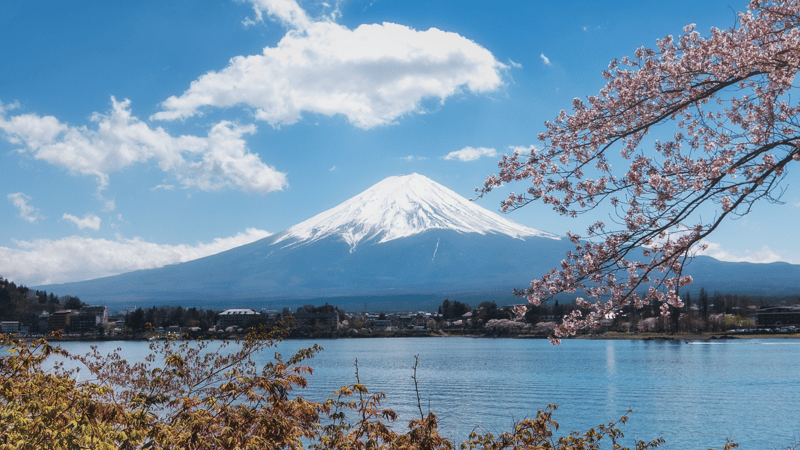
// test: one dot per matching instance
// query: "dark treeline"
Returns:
(485, 311)
(22, 304)
(167, 316)
(451, 310)
(701, 312)
(19, 303)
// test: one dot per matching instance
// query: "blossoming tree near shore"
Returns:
(728, 98)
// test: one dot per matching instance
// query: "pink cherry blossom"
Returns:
(727, 97)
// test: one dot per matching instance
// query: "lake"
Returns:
(695, 395)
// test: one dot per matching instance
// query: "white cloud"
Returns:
(471, 154)
(411, 158)
(4, 107)
(765, 255)
(332, 169)
(715, 250)
(545, 59)
(26, 211)
(219, 161)
(373, 74)
(74, 258)
(166, 187)
(88, 221)
(287, 11)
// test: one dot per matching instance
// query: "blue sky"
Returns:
(138, 134)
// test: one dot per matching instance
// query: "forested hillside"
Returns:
(22, 304)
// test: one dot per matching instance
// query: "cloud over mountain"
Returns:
(372, 74)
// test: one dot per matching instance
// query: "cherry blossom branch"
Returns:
(728, 98)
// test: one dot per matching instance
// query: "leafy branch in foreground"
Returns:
(212, 395)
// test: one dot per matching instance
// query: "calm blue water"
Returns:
(694, 395)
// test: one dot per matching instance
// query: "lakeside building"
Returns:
(238, 318)
(270, 313)
(414, 320)
(375, 321)
(9, 327)
(60, 319)
(309, 315)
(100, 313)
(778, 316)
(419, 320)
(84, 320)
(82, 323)
(44, 320)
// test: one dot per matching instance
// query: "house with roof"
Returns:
(238, 318)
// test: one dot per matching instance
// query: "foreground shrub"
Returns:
(186, 395)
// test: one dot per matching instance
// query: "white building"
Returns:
(237, 317)
(9, 327)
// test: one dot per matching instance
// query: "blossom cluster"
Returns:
(506, 325)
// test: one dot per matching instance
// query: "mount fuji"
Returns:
(403, 243)
(399, 207)
(406, 237)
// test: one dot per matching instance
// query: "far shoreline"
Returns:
(609, 336)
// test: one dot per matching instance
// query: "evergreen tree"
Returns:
(704, 305)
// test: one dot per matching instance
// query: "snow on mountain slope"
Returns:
(402, 206)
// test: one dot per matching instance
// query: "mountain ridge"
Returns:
(405, 236)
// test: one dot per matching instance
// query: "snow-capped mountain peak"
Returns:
(402, 206)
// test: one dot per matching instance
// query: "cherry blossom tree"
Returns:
(735, 128)
(506, 326)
